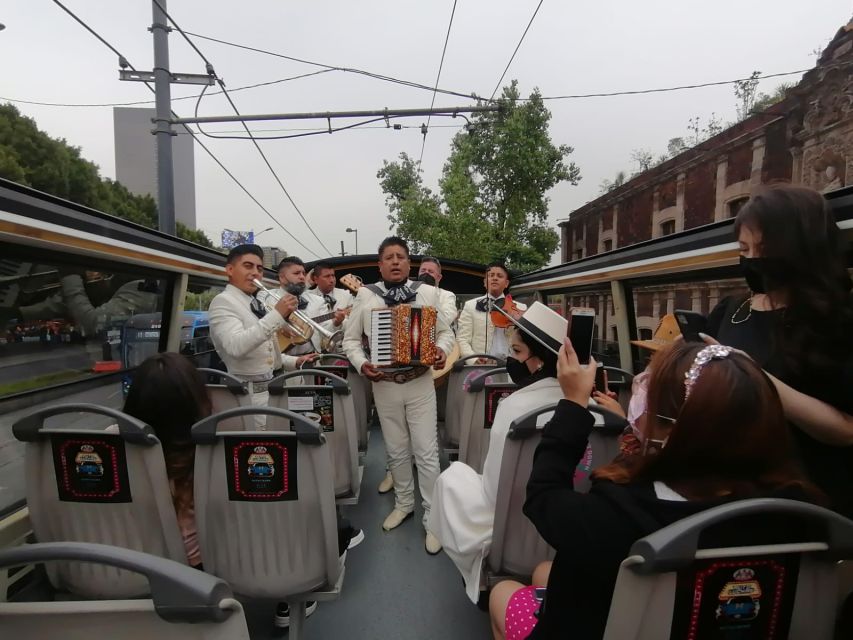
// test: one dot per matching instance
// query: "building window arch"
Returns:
(667, 227)
(734, 206)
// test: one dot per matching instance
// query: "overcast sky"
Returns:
(572, 48)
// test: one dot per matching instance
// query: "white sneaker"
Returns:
(395, 519)
(387, 483)
(432, 544)
(357, 538)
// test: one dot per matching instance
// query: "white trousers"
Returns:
(260, 400)
(407, 415)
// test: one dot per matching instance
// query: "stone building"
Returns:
(807, 139)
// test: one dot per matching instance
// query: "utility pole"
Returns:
(343, 253)
(163, 79)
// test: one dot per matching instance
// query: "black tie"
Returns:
(257, 308)
(399, 294)
(302, 303)
(330, 301)
(483, 305)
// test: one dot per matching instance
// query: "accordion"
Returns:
(403, 336)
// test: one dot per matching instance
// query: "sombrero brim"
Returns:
(652, 345)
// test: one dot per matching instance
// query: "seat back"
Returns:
(330, 404)
(227, 392)
(461, 374)
(185, 604)
(265, 505)
(517, 546)
(91, 485)
(359, 388)
(480, 404)
(668, 587)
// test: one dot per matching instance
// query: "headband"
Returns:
(711, 352)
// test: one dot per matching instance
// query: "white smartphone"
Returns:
(581, 330)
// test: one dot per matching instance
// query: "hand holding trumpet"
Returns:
(286, 305)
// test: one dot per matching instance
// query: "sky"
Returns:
(574, 47)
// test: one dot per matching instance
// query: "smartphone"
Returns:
(691, 324)
(581, 329)
(601, 379)
(539, 593)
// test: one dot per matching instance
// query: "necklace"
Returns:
(738, 310)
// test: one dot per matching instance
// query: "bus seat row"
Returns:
(185, 604)
(480, 400)
(264, 503)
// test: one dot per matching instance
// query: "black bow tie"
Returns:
(257, 308)
(302, 303)
(483, 305)
(398, 294)
(330, 301)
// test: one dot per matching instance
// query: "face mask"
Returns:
(518, 371)
(763, 274)
(427, 278)
(295, 288)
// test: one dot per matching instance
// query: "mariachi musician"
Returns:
(477, 332)
(405, 401)
(291, 276)
(332, 299)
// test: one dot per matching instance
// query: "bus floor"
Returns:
(392, 587)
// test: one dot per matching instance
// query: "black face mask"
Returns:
(427, 278)
(763, 274)
(519, 373)
(295, 288)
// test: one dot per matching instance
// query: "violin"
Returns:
(499, 319)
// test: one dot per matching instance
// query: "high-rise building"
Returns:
(272, 256)
(136, 160)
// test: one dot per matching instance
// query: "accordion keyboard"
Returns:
(380, 337)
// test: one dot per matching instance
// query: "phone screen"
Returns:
(540, 593)
(580, 333)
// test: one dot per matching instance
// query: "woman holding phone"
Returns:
(797, 324)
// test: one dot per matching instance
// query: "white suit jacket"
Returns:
(343, 300)
(475, 331)
(359, 322)
(246, 344)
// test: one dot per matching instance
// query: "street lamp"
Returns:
(355, 231)
(264, 231)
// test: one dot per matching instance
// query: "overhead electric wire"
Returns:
(369, 74)
(437, 78)
(203, 146)
(512, 57)
(245, 126)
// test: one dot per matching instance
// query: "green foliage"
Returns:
(763, 100)
(33, 158)
(492, 203)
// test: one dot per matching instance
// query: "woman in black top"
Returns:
(797, 324)
(700, 452)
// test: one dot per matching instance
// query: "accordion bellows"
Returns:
(403, 336)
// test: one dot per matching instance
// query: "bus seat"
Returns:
(517, 546)
(91, 485)
(185, 604)
(227, 392)
(331, 403)
(668, 587)
(461, 372)
(359, 386)
(479, 404)
(265, 510)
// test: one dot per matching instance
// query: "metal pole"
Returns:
(163, 120)
(343, 253)
(356, 242)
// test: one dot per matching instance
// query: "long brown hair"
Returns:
(168, 393)
(730, 438)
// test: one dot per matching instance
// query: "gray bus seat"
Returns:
(227, 392)
(265, 510)
(479, 404)
(185, 604)
(87, 485)
(459, 373)
(668, 587)
(330, 402)
(359, 387)
(517, 546)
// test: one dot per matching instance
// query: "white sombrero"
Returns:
(544, 325)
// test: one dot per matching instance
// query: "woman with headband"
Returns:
(699, 453)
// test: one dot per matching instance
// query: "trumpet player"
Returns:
(242, 328)
(292, 278)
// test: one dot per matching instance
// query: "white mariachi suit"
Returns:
(314, 308)
(343, 299)
(407, 411)
(477, 334)
(247, 344)
(463, 508)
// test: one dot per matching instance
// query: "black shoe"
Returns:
(356, 539)
(282, 613)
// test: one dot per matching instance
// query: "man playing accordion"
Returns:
(404, 396)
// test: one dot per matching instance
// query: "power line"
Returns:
(437, 77)
(245, 126)
(369, 74)
(203, 146)
(512, 57)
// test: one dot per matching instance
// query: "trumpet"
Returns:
(300, 326)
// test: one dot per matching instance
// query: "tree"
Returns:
(745, 92)
(644, 159)
(763, 100)
(492, 203)
(607, 186)
(30, 157)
